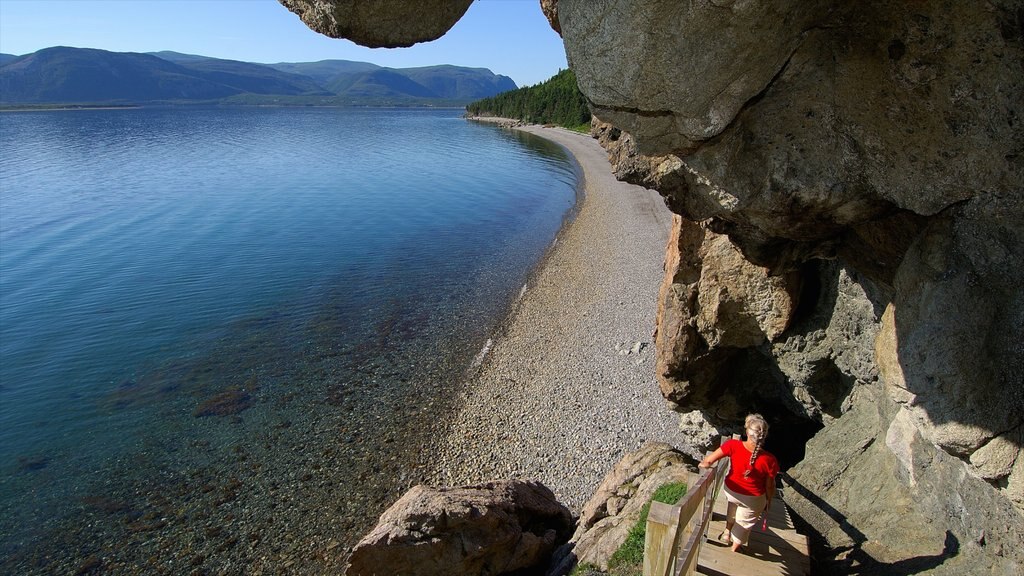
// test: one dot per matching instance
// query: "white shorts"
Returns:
(748, 509)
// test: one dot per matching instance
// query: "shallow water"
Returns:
(227, 335)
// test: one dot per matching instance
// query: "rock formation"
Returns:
(616, 506)
(492, 529)
(847, 258)
(872, 152)
(387, 24)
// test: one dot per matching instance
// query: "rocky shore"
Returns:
(568, 386)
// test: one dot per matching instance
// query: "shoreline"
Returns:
(568, 386)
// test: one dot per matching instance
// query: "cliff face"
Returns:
(865, 161)
(847, 256)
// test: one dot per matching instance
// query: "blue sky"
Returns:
(510, 37)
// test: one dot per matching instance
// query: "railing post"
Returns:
(659, 541)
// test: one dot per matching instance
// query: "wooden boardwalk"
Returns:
(778, 551)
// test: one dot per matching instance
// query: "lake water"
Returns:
(227, 336)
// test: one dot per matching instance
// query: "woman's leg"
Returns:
(746, 517)
(730, 520)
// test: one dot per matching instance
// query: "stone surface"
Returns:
(491, 529)
(678, 72)
(810, 165)
(713, 302)
(889, 142)
(388, 24)
(830, 348)
(703, 436)
(872, 485)
(616, 505)
(550, 9)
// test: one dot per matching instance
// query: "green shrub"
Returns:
(629, 558)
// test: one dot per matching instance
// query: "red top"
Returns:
(766, 466)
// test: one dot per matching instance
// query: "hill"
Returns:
(63, 75)
(82, 75)
(325, 72)
(5, 58)
(557, 100)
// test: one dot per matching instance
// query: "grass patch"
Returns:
(581, 128)
(585, 569)
(629, 558)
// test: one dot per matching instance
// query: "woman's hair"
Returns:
(756, 428)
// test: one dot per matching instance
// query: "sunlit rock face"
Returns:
(881, 163)
(380, 23)
(863, 162)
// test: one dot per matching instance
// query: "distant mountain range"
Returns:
(64, 75)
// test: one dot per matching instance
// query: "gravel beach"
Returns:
(568, 386)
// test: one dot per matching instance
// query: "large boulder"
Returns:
(486, 530)
(712, 303)
(616, 506)
(380, 24)
(876, 489)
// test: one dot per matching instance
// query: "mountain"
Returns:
(177, 57)
(252, 78)
(325, 71)
(449, 81)
(81, 75)
(5, 58)
(63, 75)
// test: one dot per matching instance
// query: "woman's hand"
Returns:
(711, 459)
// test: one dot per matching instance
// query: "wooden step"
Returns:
(779, 550)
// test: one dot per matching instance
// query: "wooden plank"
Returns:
(775, 538)
(717, 559)
(779, 550)
(692, 523)
(659, 539)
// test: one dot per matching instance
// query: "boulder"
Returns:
(612, 511)
(550, 9)
(391, 24)
(874, 487)
(712, 303)
(491, 529)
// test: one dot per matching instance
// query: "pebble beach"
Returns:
(568, 385)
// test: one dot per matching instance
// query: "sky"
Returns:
(509, 37)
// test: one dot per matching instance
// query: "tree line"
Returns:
(557, 100)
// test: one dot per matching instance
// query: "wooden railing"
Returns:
(676, 532)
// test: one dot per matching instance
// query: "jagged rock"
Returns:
(550, 9)
(613, 510)
(390, 24)
(713, 302)
(491, 529)
(831, 349)
(703, 436)
(871, 481)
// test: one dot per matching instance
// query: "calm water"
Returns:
(200, 308)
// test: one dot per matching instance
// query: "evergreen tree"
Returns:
(557, 100)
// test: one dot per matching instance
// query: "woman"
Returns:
(750, 485)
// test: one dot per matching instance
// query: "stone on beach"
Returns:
(496, 528)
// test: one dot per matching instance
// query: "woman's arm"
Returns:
(711, 459)
(769, 491)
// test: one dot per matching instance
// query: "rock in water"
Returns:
(491, 529)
